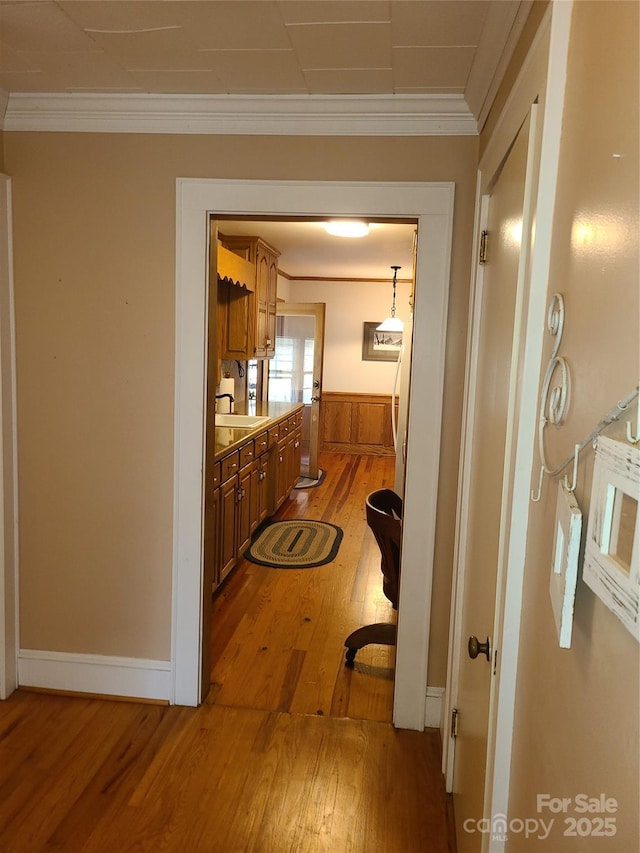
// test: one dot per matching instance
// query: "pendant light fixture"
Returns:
(392, 323)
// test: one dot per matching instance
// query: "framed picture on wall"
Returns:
(612, 552)
(380, 346)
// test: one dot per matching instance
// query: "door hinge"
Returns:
(455, 715)
(483, 247)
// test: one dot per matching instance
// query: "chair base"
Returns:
(381, 633)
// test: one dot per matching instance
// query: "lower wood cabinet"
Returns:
(286, 467)
(227, 526)
(248, 485)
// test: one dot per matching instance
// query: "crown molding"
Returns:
(306, 115)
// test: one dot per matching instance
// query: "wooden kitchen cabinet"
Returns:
(250, 317)
(227, 526)
(286, 465)
(246, 486)
(211, 531)
(245, 523)
(260, 492)
(266, 300)
(234, 322)
(235, 521)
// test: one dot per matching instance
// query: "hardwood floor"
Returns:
(290, 774)
(278, 635)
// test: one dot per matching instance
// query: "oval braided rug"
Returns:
(298, 544)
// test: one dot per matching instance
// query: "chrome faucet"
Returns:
(230, 396)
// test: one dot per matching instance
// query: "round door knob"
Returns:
(477, 648)
(315, 399)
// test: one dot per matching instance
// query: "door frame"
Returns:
(546, 60)
(317, 310)
(8, 455)
(431, 204)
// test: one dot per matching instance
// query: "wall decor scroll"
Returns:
(554, 398)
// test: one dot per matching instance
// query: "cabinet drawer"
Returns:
(247, 454)
(274, 435)
(294, 422)
(229, 466)
(261, 443)
(284, 428)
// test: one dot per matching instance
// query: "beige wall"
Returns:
(349, 304)
(94, 229)
(576, 727)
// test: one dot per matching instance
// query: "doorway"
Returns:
(530, 102)
(295, 372)
(487, 467)
(432, 206)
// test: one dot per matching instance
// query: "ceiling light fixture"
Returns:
(392, 323)
(347, 228)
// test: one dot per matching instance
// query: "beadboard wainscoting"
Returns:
(101, 675)
(356, 423)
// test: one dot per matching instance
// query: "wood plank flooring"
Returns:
(83, 774)
(90, 775)
(278, 634)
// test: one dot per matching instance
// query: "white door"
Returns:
(295, 372)
(492, 393)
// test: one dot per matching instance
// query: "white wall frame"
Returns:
(432, 205)
(8, 456)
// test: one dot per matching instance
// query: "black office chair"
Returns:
(384, 517)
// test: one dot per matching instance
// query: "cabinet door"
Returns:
(272, 299)
(261, 300)
(290, 451)
(243, 510)
(239, 308)
(212, 539)
(254, 496)
(297, 456)
(228, 549)
(281, 472)
(263, 488)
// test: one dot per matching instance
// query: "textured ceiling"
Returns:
(244, 47)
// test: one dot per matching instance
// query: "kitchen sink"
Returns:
(239, 421)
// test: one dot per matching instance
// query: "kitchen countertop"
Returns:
(230, 438)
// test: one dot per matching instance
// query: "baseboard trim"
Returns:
(434, 708)
(134, 678)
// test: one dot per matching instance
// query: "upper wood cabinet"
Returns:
(252, 321)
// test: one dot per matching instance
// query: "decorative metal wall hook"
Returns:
(634, 439)
(571, 486)
(535, 496)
